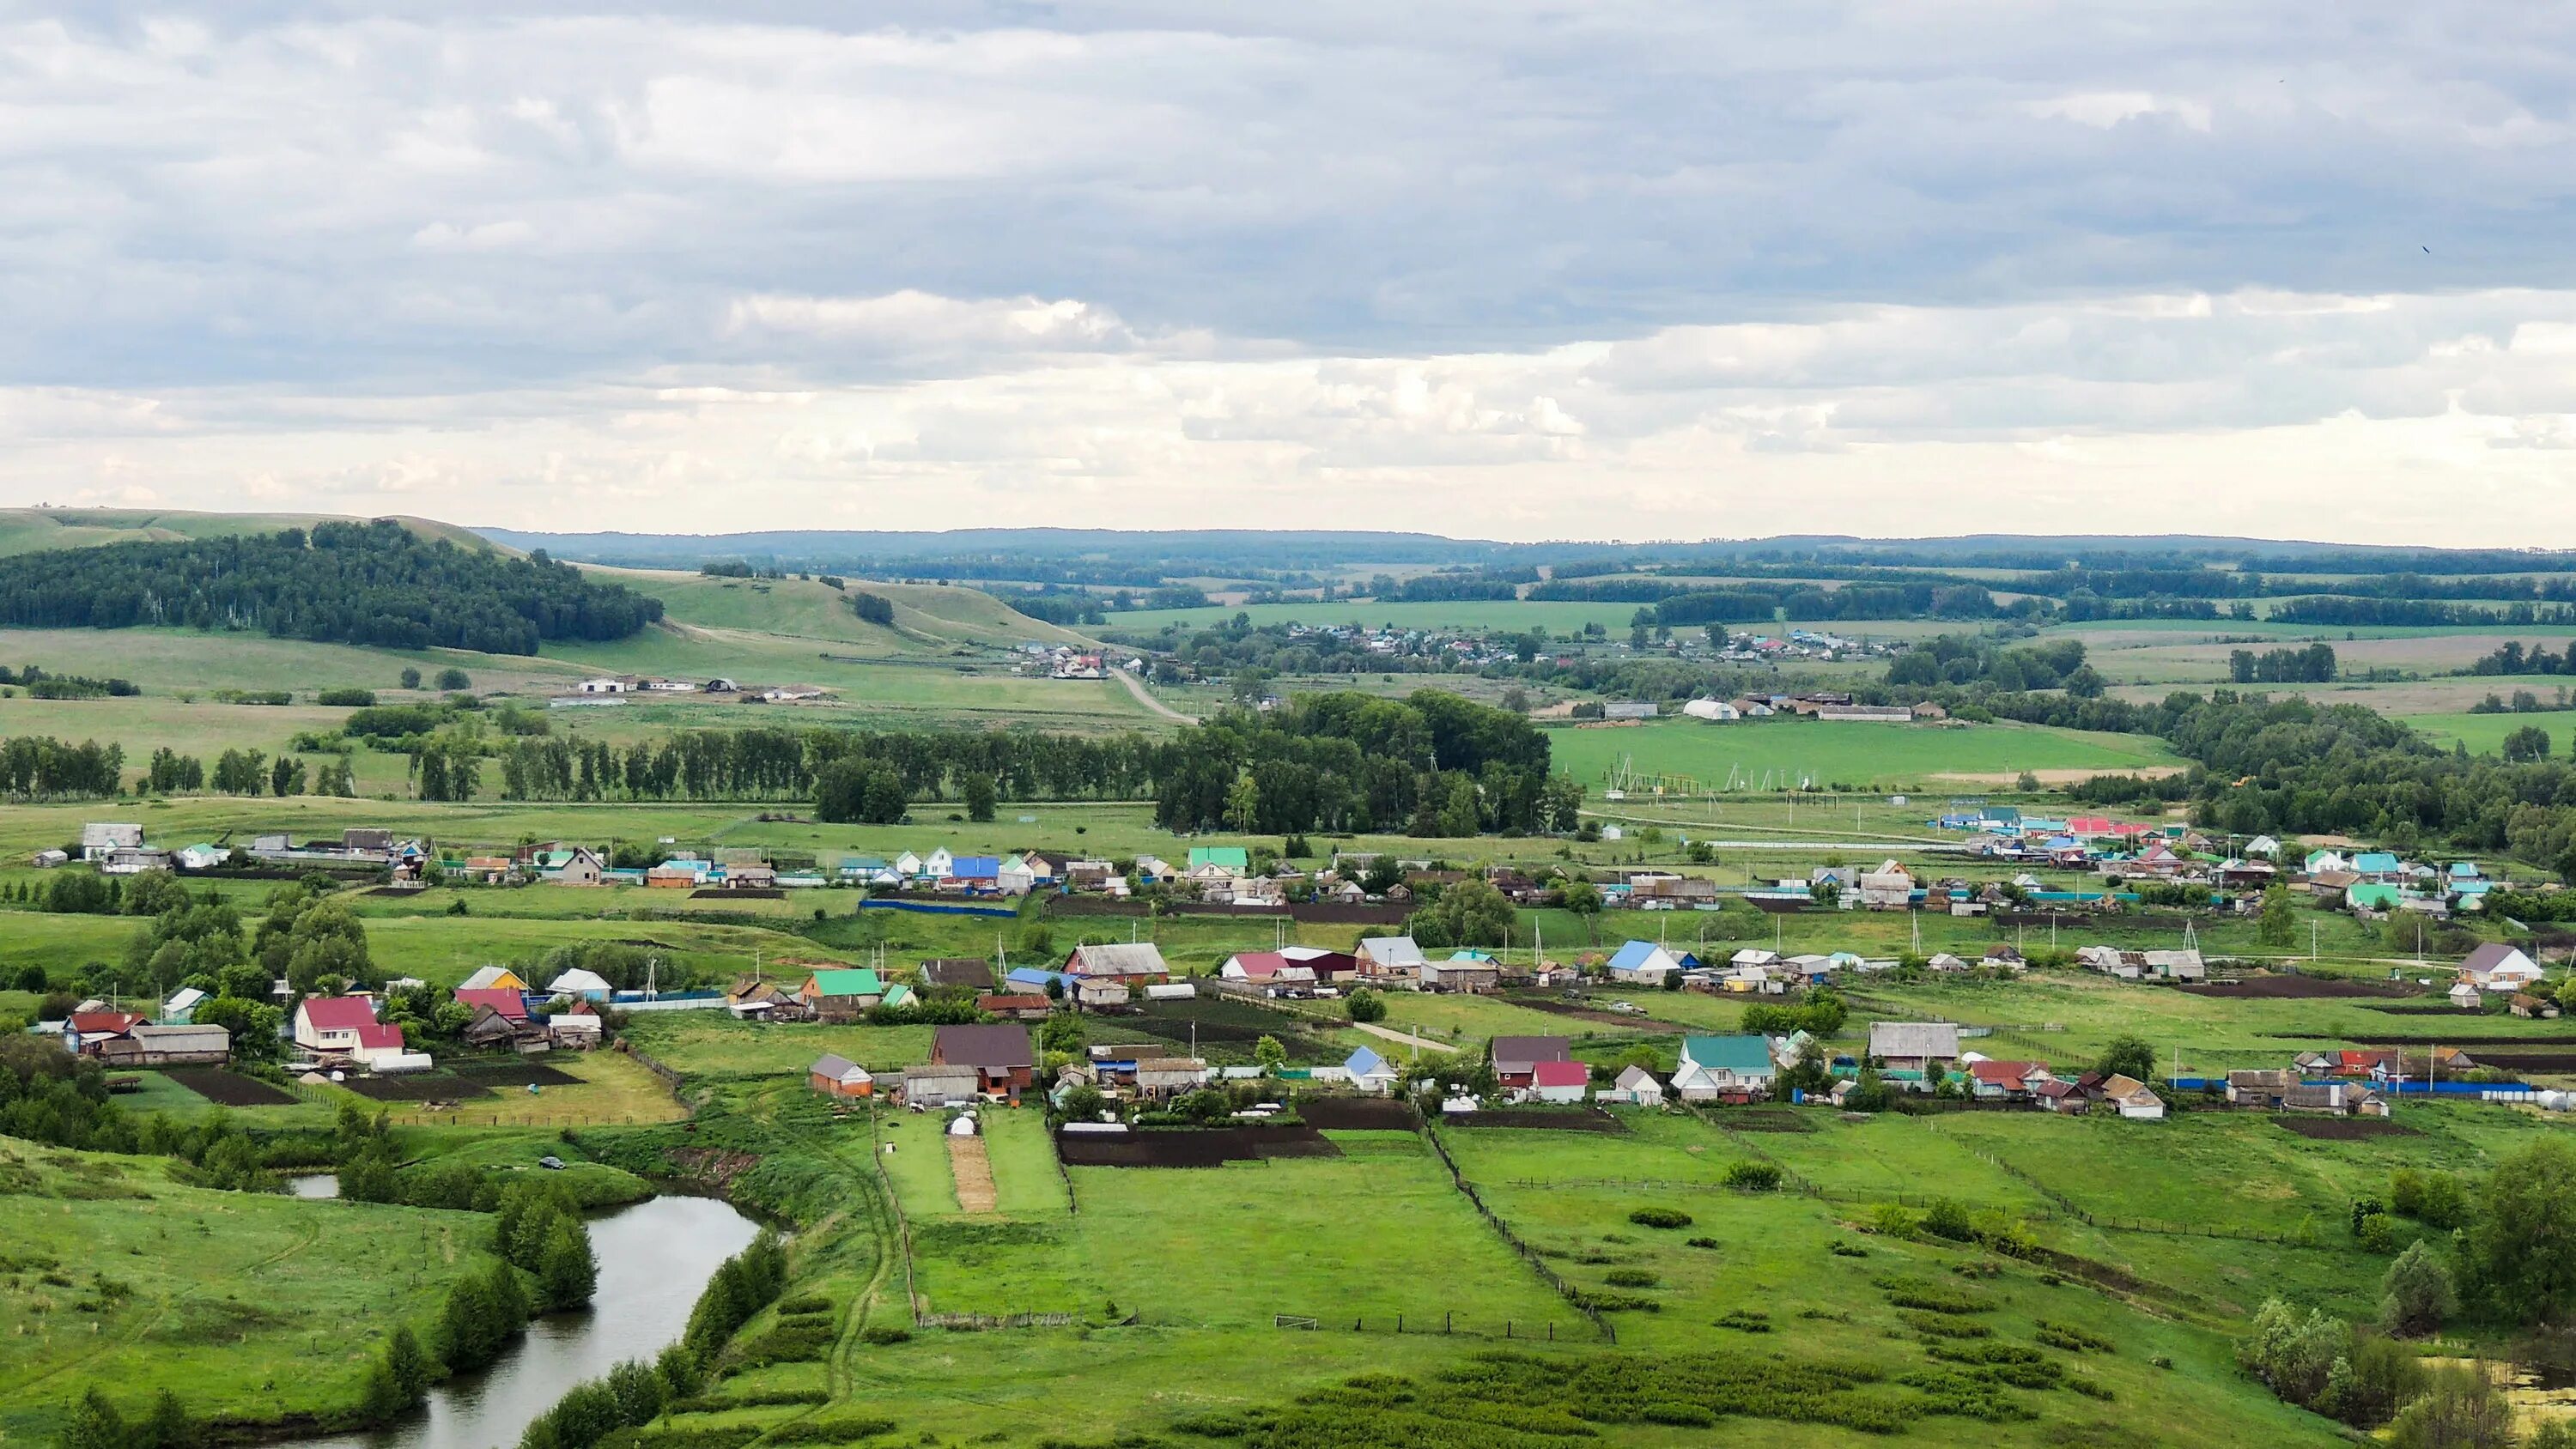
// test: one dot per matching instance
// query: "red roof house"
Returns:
(512, 1005)
(2005, 1079)
(345, 1025)
(1559, 1081)
(86, 1031)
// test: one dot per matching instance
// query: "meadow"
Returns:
(1740, 755)
(255, 1307)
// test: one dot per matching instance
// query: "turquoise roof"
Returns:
(1232, 857)
(1743, 1055)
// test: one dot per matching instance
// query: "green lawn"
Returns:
(712, 1044)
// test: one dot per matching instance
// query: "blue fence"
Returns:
(2411, 1087)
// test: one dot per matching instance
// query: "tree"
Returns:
(855, 790)
(410, 677)
(980, 797)
(1243, 803)
(2525, 745)
(382, 1398)
(1470, 913)
(2279, 927)
(1083, 1103)
(1365, 1005)
(1810, 1072)
(2416, 1295)
(168, 1425)
(2523, 1244)
(566, 1271)
(453, 679)
(2460, 1409)
(1270, 1055)
(95, 1424)
(1583, 898)
(2291, 1352)
(2128, 1056)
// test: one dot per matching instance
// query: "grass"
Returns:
(711, 1044)
(2484, 733)
(614, 1089)
(254, 1307)
(1848, 755)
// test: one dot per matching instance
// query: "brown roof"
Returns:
(1524, 1050)
(972, 971)
(991, 1001)
(988, 1048)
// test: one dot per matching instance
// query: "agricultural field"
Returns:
(2483, 734)
(1740, 755)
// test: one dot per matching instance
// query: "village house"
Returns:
(98, 840)
(1637, 1087)
(1995, 1081)
(1726, 1065)
(963, 973)
(345, 1026)
(1560, 1082)
(86, 1032)
(1516, 1058)
(1466, 971)
(1013, 1006)
(941, 1086)
(587, 985)
(2064, 1098)
(2132, 1100)
(1916, 1051)
(1160, 1077)
(1269, 972)
(1643, 963)
(2496, 966)
(999, 1055)
(838, 1076)
(168, 1046)
(1393, 958)
(577, 866)
(845, 993)
(1890, 887)
(1368, 1072)
(1131, 964)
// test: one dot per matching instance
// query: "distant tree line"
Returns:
(2314, 664)
(351, 583)
(40, 767)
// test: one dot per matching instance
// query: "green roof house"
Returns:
(1232, 857)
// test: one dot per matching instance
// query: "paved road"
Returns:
(1136, 687)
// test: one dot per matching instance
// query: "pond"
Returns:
(314, 1184)
(654, 1258)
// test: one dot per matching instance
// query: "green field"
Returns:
(2484, 733)
(1859, 756)
(251, 1306)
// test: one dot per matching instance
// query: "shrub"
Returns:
(1848, 1250)
(829, 1431)
(1948, 1218)
(1703, 1243)
(2377, 1233)
(1660, 1217)
(2417, 1294)
(1943, 1325)
(1602, 1301)
(1745, 1320)
(1754, 1176)
(1893, 1220)
(1630, 1278)
(805, 1303)
(883, 1333)
(1664, 1411)
(2073, 1339)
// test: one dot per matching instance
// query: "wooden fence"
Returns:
(1554, 1279)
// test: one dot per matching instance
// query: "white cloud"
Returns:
(1509, 267)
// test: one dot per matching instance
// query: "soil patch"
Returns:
(2293, 988)
(2345, 1129)
(737, 893)
(426, 1087)
(1358, 1114)
(1191, 1147)
(2552, 1063)
(974, 1173)
(1761, 1119)
(230, 1089)
(1571, 1119)
(517, 1074)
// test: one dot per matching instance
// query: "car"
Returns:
(551, 1163)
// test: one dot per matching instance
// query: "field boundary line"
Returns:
(1529, 1254)
(902, 1224)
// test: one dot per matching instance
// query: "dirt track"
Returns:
(974, 1172)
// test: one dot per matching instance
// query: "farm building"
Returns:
(937, 1086)
(1368, 1071)
(2132, 1100)
(1135, 963)
(837, 1076)
(1919, 1047)
(168, 1046)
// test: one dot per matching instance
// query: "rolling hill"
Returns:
(29, 530)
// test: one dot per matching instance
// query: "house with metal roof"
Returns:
(1643, 963)
(1732, 1061)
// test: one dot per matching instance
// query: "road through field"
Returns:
(1136, 687)
(1403, 1038)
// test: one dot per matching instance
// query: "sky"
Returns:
(1601, 270)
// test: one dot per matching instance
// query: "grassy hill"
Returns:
(29, 530)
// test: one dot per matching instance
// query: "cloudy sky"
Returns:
(1601, 269)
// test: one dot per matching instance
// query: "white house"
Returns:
(907, 865)
(99, 840)
(1643, 963)
(1638, 1087)
(1890, 886)
(346, 1026)
(1563, 1082)
(2496, 966)
(1369, 1072)
(1695, 1083)
(589, 985)
(1016, 877)
(939, 864)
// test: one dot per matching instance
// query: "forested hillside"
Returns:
(352, 583)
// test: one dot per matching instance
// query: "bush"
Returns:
(829, 1431)
(1745, 1320)
(2416, 1295)
(884, 1333)
(1848, 1250)
(1933, 1297)
(1948, 1218)
(1660, 1217)
(1703, 1243)
(1943, 1325)
(2377, 1233)
(805, 1303)
(1754, 1176)
(1608, 1302)
(2073, 1339)
(1630, 1278)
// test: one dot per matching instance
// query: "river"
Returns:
(654, 1257)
